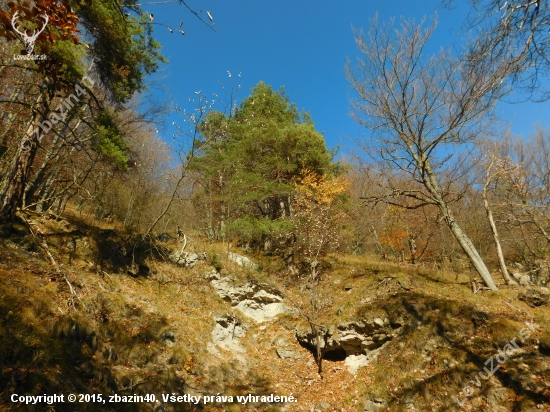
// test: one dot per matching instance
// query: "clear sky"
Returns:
(299, 44)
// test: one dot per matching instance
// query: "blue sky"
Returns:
(299, 44)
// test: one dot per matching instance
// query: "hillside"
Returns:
(148, 326)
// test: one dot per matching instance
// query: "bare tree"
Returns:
(495, 167)
(525, 197)
(420, 111)
(516, 30)
(318, 211)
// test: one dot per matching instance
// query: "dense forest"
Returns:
(435, 183)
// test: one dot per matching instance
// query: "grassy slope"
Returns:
(111, 340)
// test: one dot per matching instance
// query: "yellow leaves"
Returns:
(322, 189)
(318, 210)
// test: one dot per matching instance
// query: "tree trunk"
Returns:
(14, 186)
(430, 182)
(503, 269)
(319, 350)
(378, 244)
(470, 251)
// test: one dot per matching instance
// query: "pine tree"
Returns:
(249, 168)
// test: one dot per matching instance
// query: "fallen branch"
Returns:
(58, 270)
(44, 245)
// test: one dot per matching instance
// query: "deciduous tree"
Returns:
(420, 110)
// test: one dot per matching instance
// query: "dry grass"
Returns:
(112, 340)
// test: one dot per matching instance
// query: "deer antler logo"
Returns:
(29, 40)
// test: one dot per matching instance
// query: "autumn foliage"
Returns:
(319, 210)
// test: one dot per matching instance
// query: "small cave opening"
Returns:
(334, 355)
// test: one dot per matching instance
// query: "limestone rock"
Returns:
(184, 259)
(258, 301)
(362, 336)
(242, 260)
(288, 354)
(523, 280)
(354, 362)
(227, 331)
(358, 341)
(534, 297)
(213, 275)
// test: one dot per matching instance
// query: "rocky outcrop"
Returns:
(184, 259)
(534, 297)
(228, 328)
(357, 342)
(242, 260)
(258, 301)
(226, 334)
(354, 338)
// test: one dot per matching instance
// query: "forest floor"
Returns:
(135, 323)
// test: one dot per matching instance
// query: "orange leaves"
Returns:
(61, 21)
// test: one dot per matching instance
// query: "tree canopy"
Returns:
(254, 157)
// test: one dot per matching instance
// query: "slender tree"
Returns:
(421, 110)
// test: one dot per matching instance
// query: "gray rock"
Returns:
(213, 275)
(374, 405)
(242, 260)
(523, 280)
(534, 297)
(228, 328)
(354, 362)
(258, 301)
(288, 354)
(184, 259)
(169, 338)
(360, 340)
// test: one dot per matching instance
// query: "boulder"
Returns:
(259, 301)
(534, 297)
(184, 259)
(242, 260)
